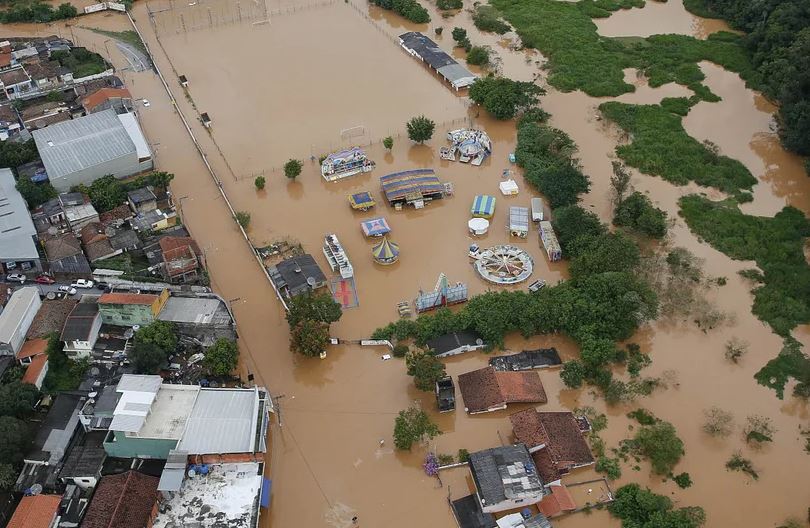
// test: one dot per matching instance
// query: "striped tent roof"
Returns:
(375, 227)
(386, 252)
(400, 185)
(483, 206)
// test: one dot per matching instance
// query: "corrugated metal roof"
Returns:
(136, 135)
(127, 423)
(77, 144)
(16, 226)
(139, 382)
(19, 303)
(171, 479)
(222, 421)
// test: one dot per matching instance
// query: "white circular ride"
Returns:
(504, 264)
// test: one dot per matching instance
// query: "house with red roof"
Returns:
(36, 371)
(127, 500)
(486, 390)
(36, 511)
(31, 349)
(118, 99)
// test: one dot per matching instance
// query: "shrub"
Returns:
(736, 348)
(463, 455)
(738, 463)
(309, 338)
(243, 219)
(400, 350)
(426, 370)
(487, 18)
(611, 467)
(683, 480)
(221, 357)
(639, 214)
(388, 142)
(409, 9)
(147, 358)
(758, 430)
(642, 416)
(640, 507)
(312, 306)
(459, 34)
(444, 5)
(660, 444)
(446, 459)
(478, 56)
(502, 97)
(718, 422)
(259, 182)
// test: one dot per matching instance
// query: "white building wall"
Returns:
(12, 343)
(122, 167)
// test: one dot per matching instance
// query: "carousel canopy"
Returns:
(375, 227)
(385, 252)
(483, 206)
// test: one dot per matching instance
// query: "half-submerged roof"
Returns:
(505, 473)
(487, 390)
(448, 342)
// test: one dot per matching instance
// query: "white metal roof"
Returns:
(139, 382)
(137, 394)
(77, 144)
(222, 421)
(16, 226)
(18, 305)
(136, 135)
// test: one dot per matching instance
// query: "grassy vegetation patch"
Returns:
(128, 37)
(581, 59)
(776, 244)
(80, 61)
(660, 146)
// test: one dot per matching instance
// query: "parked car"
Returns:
(68, 290)
(44, 279)
(83, 283)
(15, 277)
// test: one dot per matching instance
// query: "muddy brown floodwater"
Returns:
(302, 83)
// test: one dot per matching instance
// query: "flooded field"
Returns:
(327, 464)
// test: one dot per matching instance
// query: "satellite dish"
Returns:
(479, 341)
(311, 282)
(50, 296)
(135, 328)
(192, 473)
(36, 489)
(92, 394)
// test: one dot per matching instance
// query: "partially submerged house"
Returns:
(527, 360)
(505, 478)
(423, 48)
(456, 343)
(486, 389)
(555, 439)
(297, 275)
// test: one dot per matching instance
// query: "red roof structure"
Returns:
(35, 511)
(127, 500)
(127, 298)
(180, 255)
(559, 433)
(557, 502)
(99, 96)
(486, 389)
(35, 369)
(32, 347)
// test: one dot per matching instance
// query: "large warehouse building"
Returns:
(85, 149)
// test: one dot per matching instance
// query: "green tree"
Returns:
(14, 439)
(459, 34)
(147, 358)
(639, 507)
(13, 154)
(319, 307)
(619, 182)
(292, 169)
(572, 222)
(107, 193)
(660, 444)
(259, 182)
(160, 333)
(8, 476)
(504, 98)
(243, 219)
(18, 399)
(420, 129)
(572, 374)
(478, 56)
(388, 142)
(35, 194)
(639, 214)
(611, 252)
(309, 337)
(221, 357)
(413, 425)
(426, 369)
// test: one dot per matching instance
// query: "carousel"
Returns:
(503, 264)
(468, 146)
(386, 252)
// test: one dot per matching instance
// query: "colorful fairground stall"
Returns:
(443, 294)
(483, 206)
(375, 227)
(412, 187)
(386, 252)
(345, 163)
(362, 201)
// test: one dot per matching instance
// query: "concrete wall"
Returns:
(122, 167)
(117, 444)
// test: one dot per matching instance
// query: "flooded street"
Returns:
(305, 82)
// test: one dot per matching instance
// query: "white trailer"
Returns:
(538, 209)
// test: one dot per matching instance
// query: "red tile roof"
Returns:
(488, 390)
(32, 347)
(521, 387)
(127, 298)
(5, 60)
(558, 431)
(560, 500)
(122, 501)
(122, 212)
(99, 96)
(36, 511)
(546, 467)
(34, 369)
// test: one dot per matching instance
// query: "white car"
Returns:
(68, 290)
(82, 283)
(16, 277)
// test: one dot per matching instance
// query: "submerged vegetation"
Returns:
(639, 507)
(487, 18)
(637, 213)
(790, 363)
(660, 146)
(35, 11)
(503, 97)
(409, 9)
(776, 244)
